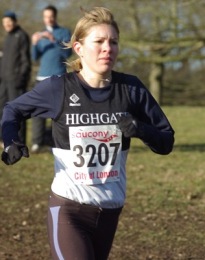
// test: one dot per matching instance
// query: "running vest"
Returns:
(79, 110)
(90, 151)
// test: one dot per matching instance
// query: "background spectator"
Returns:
(15, 64)
(48, 47)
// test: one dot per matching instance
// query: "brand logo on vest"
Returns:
(102, 136)
(75, 99)
(107, 139)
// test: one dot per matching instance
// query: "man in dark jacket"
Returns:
(15, 64)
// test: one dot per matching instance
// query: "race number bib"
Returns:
(96, 153)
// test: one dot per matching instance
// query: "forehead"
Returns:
(102, 31)
(7, 20)
(48, 13)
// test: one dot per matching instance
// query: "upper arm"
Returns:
(35, 52)
(42, 101)
(146, 107)
(25, 54)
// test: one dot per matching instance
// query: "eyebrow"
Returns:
(102, 37)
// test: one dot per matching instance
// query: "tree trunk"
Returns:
(156, 80)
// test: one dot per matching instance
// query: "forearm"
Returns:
(10, 126)
(159, 141)
(34, 53)
(159, 138)
(14, 149)
(42, 101)
(66, 53)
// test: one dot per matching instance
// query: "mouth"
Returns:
(106, 59)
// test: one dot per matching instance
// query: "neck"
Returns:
(95, 81)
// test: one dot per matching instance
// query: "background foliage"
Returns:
(162, 42)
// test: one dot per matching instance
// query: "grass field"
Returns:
(164, 214)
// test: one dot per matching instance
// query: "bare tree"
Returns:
(153, 32)
(156, 33)
(167, 31)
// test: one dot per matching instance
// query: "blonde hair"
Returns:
(96, 16)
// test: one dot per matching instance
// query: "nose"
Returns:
(107, 47)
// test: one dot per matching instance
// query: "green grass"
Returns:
(164, 214)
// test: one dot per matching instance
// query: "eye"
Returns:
(99, 41)
(114, 42)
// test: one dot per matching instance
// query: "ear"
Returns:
(77, 46)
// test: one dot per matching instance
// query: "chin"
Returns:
(106, 69)
(105, 72)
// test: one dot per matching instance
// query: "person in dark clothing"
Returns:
(95, 112)
(15, 64)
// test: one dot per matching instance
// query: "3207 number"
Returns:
(103, 153)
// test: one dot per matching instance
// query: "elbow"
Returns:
(162, 151)
(163, 145)
(166, 146)
(166, 151)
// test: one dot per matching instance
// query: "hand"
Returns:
(128, 125)
(14, 152)
(36, 37)
(48, 35)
